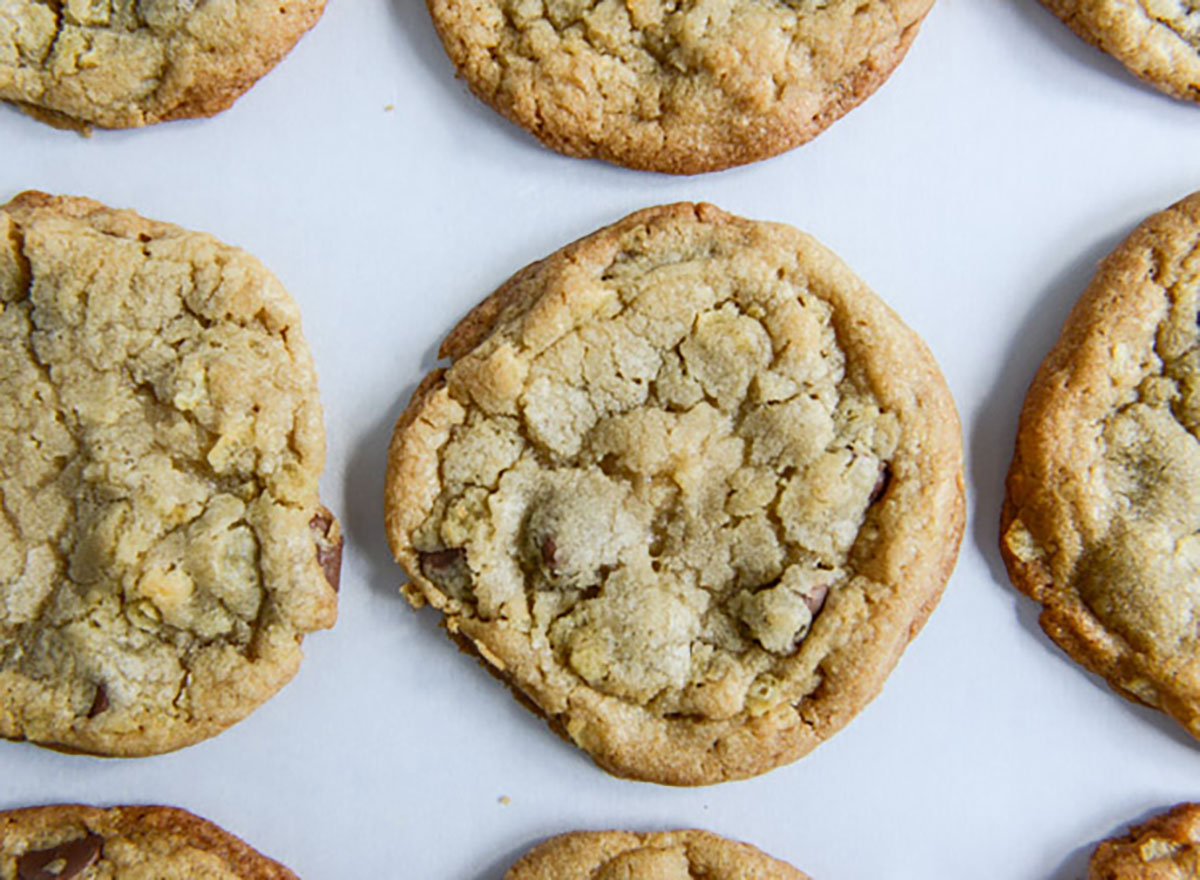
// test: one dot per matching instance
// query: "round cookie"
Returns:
(75, 842)
(689, 487)
(1166, 847)
(163, 549)
(1102, 510)
(1157, 40)
(679, 88)
(671, 855)
(126, 63)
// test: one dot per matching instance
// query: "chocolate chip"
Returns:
(816, 599)
(99, 702)
(437, 563)
(76, 856)
(329, 549)
(881, 484)
(550, 553)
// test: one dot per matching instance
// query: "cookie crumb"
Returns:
(504, 799)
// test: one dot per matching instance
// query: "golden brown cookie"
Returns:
(75, 842)
(676, 87)
(672, 855)
(1166, 847)
(163, 549)
(125, 63)
(1101, 523)
(688, 486)
(1158, 40)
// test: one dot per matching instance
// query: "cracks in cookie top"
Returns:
(675, 85)
(164, 443)
(660, 478)
(123, 63)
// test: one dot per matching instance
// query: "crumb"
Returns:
(388, 108)
(505, 799)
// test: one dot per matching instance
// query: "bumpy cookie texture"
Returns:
(688, 486)
(680, 87)
(1167, 847)
(1101, 523)
(125, 63)
(673, 855)
(74, 842)
(162, 546)
(1157, 40)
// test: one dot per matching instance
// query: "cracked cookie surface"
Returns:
(1157, 40)
(688, 486)
(672, 855)
(1101, 522)
(126, 63)
(162, 546)
(681, 87)
(1166, 847)
(76, 842)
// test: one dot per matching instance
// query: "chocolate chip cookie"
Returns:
(1101, 523)
(672, 855)
(1157, 40)
(1166, 847)
(125, 63)
(676, 87)
(74, 842)
(688, 486)
(162, 549)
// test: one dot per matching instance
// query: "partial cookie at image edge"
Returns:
(237, 542)
(170, 842)
(663, 855)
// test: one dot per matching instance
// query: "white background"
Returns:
(975, 192)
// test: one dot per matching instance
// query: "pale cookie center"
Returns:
(1140, 570)
(666, 494)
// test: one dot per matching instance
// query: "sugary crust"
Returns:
(1165, 847)
(1157, 40)
(902, 563)
(1063, 508)
(128, 67)
(669, 855)
(681, 90)
(163, 842)
(245, 459)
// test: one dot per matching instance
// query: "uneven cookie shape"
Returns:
(676, 87)
(75, 842)
(672, 855)
(1157, 40)
(688, 487)
(1102, 511)
(1166, 847)
(163, 549)
(126, 63)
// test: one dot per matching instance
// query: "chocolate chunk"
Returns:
(76, 856)
(99, 702)
(329, 546)
(437, 563)
(550, 554)
(816, 599)
(882, 483)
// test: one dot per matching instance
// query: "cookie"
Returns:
(680, 88)
(74, 842)
(1102, 510)
(163, 549)
(1167, 847)
(689, 487)
(126, 63)
(1157, 40)
(671, 855)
